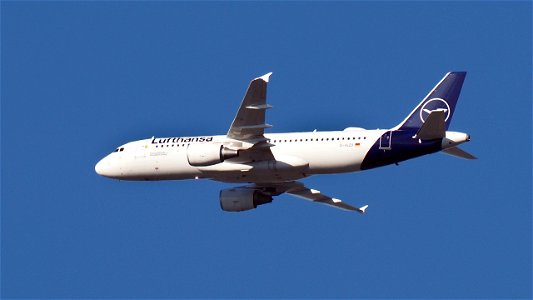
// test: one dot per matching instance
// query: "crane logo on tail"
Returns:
(432, 105)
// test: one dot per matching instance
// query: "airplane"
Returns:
(272, 163)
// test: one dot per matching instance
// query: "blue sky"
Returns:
(80, 78)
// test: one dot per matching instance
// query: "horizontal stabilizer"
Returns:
(456, 151)
(434, 126)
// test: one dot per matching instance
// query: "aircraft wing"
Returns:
(297, 189)
(249, 123)
(316, 196)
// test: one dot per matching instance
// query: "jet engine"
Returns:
(241, 199)
(200, 155)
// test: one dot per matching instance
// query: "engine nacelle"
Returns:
(200, 155)
(241, 199)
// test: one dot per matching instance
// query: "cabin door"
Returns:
(385, 141)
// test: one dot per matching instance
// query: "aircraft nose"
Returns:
(108, 167)
(102, 167)
(99, 167)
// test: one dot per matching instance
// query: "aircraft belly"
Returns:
(327, 158)
(295, 162)
(283, 168)
(259, 178)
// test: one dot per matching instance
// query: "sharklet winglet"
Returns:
(265, 77)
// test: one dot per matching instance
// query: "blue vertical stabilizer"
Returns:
(443, 97)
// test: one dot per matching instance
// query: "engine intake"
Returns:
(241, 199)
(200, 155)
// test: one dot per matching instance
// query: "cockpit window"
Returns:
(119, 149)
(116, 150)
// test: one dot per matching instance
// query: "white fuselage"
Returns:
(273, 163)
(294, 156)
